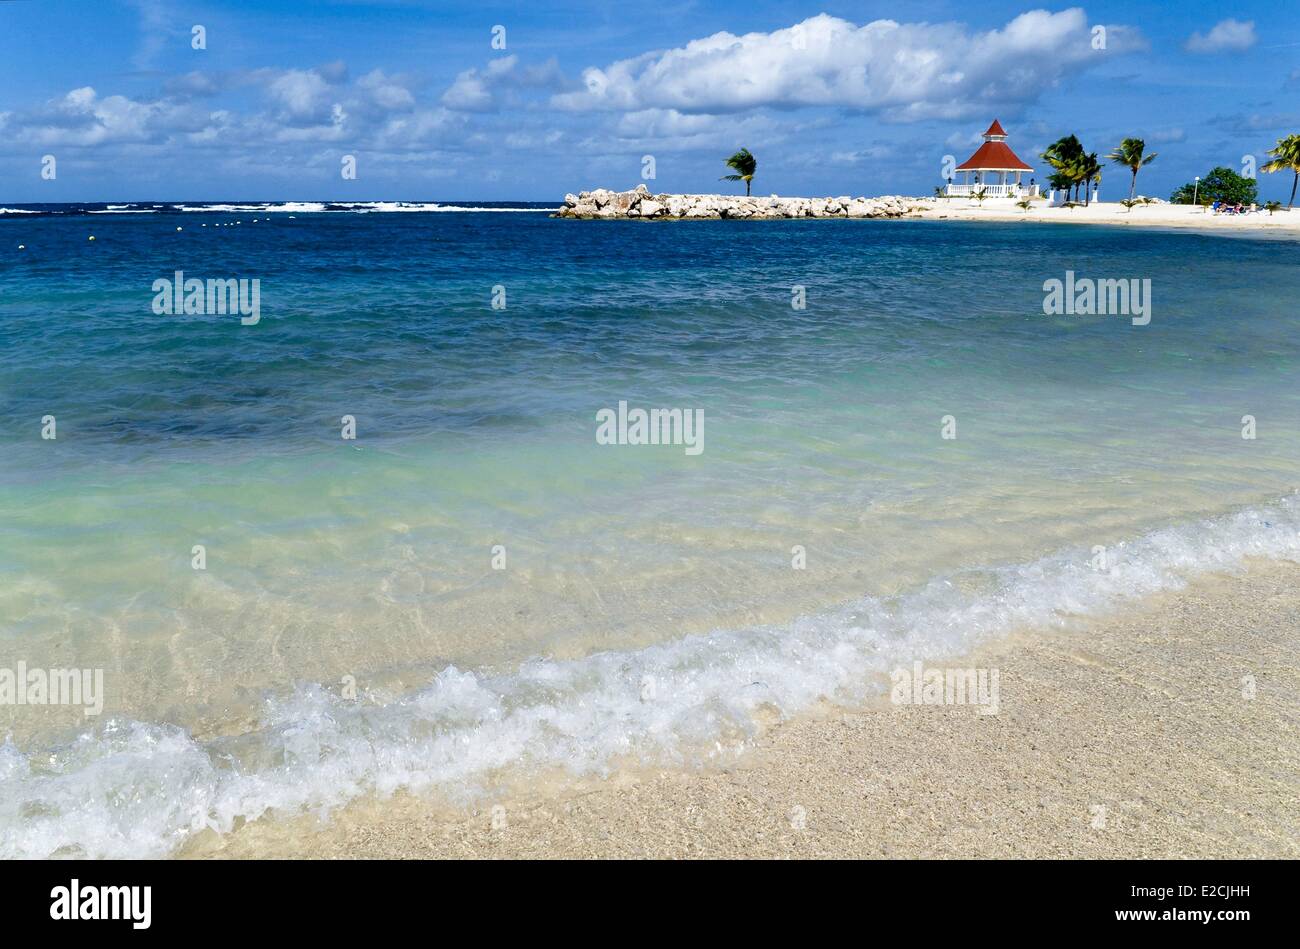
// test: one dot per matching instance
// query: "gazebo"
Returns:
(993, 157)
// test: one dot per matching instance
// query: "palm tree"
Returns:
(744, 164)
(1065, 155)
(1025, 204)
(1286, 157)
(1129, 154)
(1060, 181)
(1089, 173)
(1273, 206)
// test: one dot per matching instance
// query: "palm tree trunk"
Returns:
(747, 189)
(1293, 184)
(1132, 188)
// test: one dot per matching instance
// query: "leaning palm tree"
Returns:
(1286, 157)
(1065, 155)
(1129, 154)
(1089, 173)
(744, 164)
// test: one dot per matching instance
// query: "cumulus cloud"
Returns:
(302, 95)
(905, 71)
(498, 83)
(83, 117)
(385, 92)
(1226, 36)
(301, 106)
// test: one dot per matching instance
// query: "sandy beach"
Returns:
(1179, 216)
(1166, 730)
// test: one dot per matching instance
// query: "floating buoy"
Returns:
(178, 228)
(92, 237)
(22, 246)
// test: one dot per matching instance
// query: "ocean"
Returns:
(900, 455)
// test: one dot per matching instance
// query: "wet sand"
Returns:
(1171, 729)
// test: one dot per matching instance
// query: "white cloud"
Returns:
(1225, 36)
(472, 92)
(81, 117)
(859, 156)
(386, 92)
(157, 25)
(673, 130)
(483, 90)
(1166, 136)
(302, 94)
(905, 71)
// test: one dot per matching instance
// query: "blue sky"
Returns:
(830, 100)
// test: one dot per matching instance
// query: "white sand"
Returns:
(1183, 216)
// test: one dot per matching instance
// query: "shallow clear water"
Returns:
(225, 689)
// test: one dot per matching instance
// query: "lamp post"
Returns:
(1196, 189)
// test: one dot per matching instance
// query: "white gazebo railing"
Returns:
(1010, 190)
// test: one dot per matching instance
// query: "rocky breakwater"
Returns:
(640, 204)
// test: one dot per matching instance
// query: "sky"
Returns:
(491, 101)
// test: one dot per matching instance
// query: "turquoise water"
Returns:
(645, 591)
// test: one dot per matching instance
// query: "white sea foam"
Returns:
(301, 207)
(132, 789)
(366, 207)
(347, 207)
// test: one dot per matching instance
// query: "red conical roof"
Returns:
(994, 156)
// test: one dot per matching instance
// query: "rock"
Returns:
(641, 203)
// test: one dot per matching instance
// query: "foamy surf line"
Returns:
(131, 789)
(352, 207)
(277, 207)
